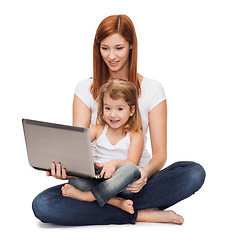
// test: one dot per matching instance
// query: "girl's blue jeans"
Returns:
(103, 189)
(164, 189)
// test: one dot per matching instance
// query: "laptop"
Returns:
(50, 142)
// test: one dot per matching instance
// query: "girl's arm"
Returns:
(135, 149)
(95, 131)
(134, 155)
(158, 135)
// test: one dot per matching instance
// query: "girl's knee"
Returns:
(134, 169)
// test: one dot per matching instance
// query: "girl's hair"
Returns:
(123, 25)
(115, 89)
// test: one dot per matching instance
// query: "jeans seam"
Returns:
(99, 199)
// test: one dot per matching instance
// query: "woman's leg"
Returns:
(169, 186)
(159, 216)
(164, 189)
(51, 207)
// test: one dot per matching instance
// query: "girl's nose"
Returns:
(113, 113)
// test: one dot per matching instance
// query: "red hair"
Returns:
(123, 25)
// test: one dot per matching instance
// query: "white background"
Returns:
(46, 49)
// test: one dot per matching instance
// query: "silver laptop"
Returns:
(71, 146)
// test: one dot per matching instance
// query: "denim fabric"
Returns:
(105, 189)
(165, 188)
(169, 186)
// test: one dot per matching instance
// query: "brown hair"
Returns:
(123, 25)
(115, 89)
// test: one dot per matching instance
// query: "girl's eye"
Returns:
(119, 48)
(107, 108)
(104, 48)
(120, 109)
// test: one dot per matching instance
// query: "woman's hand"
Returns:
(138, 185)
(108, 169)
(57, 171)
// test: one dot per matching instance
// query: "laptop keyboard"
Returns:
(97, 169)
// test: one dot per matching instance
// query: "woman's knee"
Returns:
(43, 203)
(200, 174)
(197, 176)
(40, 207)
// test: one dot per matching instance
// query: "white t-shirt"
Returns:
(152, 93)
(106, 151)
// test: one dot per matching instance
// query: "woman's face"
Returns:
(114, 50)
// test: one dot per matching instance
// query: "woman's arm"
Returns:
(81, 118)
(81, 113)
(158, 135)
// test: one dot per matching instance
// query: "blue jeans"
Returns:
(103, 190)
(165, 188)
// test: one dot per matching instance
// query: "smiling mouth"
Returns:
(113, 63)
(114, 121)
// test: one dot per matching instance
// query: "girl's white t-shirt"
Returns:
(152, 93)
(106, 151)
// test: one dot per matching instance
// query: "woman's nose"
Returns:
(112, 55)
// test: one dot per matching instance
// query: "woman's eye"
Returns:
(104, 48)
(119, 48)
(107, 108)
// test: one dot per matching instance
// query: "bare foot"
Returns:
(156, 215)
(70, 191)
(126, 205)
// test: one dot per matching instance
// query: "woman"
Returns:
(115, 56)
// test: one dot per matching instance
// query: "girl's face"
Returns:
(116, 112)
(114, 50)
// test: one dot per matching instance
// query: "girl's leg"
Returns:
(83, 184)
(70, 191)
(126, 205)
(125, 174)
(78, 188)
(51, 207)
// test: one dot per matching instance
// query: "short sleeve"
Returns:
(153, 93)
(83, 91)
(158, 95)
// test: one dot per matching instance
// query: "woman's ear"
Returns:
(133, 108)
(130, 47)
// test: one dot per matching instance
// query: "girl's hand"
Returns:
(139, 184)
(108, 169)
(57, 171)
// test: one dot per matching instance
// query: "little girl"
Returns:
(119, 146)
